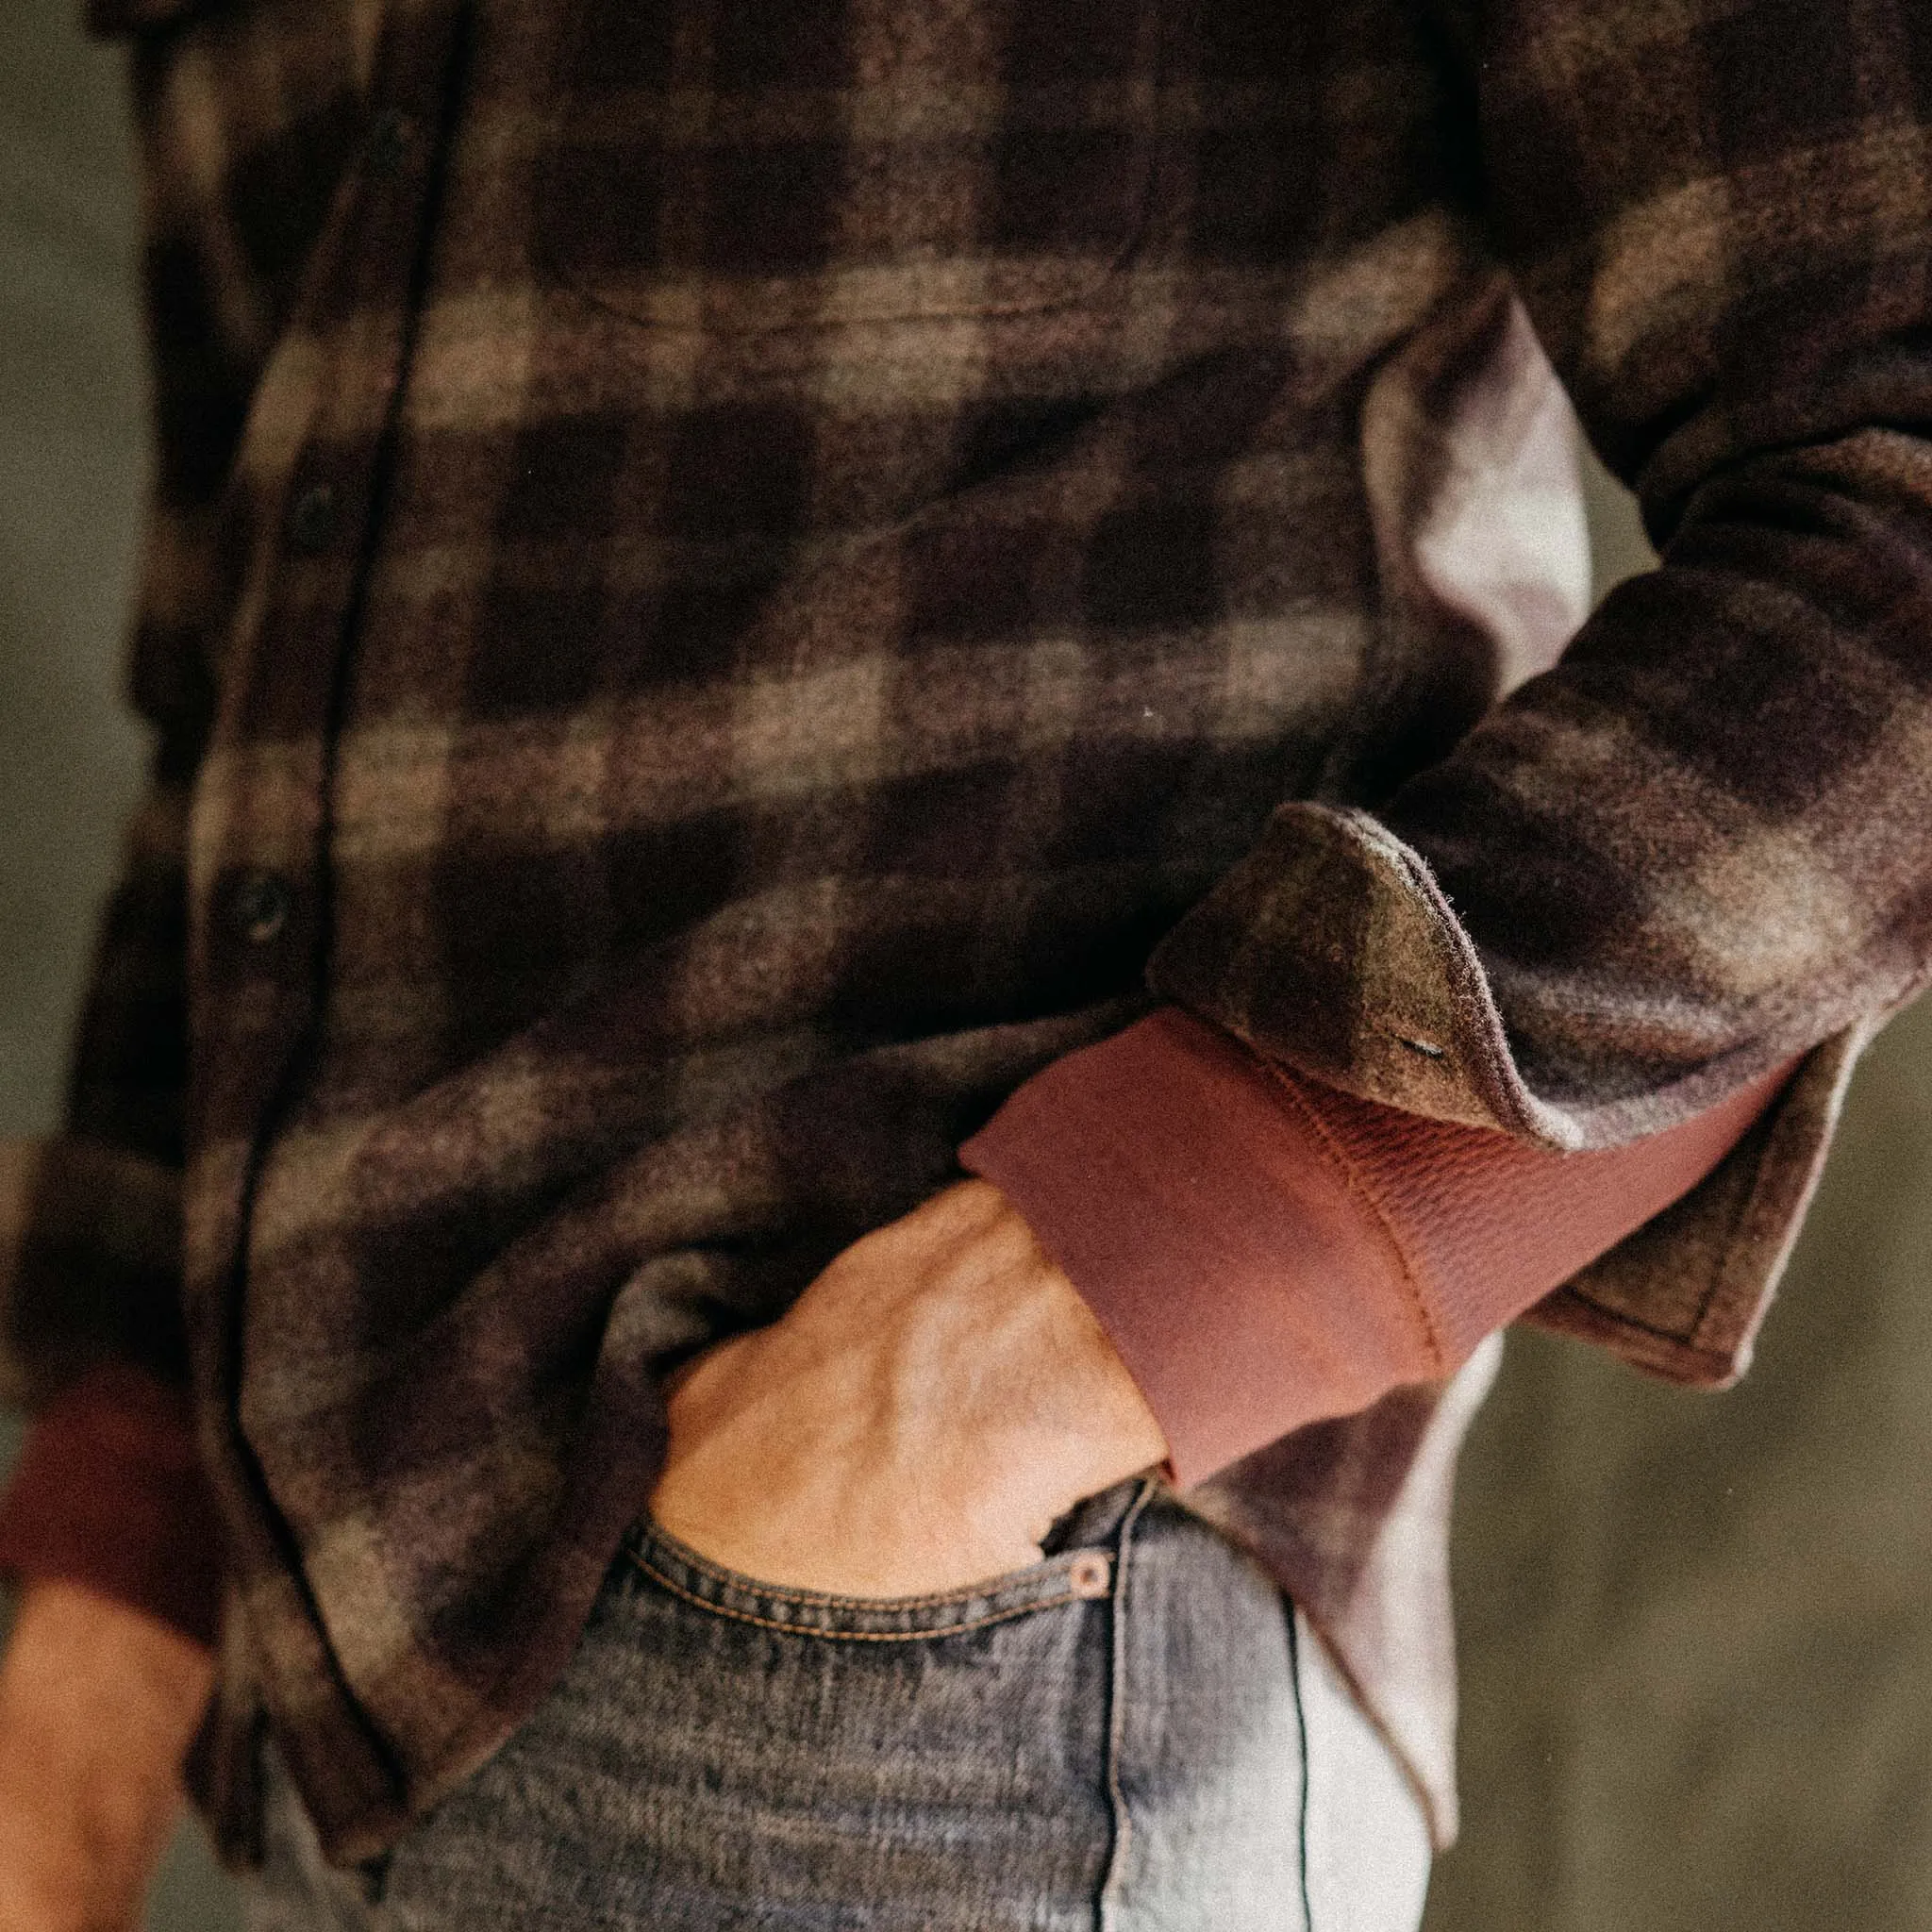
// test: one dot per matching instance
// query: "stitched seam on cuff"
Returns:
(1338, 1158)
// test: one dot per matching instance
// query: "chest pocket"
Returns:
(752, 165)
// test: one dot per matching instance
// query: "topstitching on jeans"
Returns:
(1108, 1904)
(1301, 1725)
(865, 1620)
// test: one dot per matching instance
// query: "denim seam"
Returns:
(1300, 1724)
(1104, 1914)
(836, 1636)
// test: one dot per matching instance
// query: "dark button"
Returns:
(313, 521)
(389, 142)
(262, 901)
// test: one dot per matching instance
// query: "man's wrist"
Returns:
(1057, 1402)
(932, 1402)
(98, 1704)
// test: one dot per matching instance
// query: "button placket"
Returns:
(264, 984)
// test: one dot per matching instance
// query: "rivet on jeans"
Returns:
(1090, 1574)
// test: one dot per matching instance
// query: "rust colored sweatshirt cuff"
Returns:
(108, 1492)
(1266, 1252)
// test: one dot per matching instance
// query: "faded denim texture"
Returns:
(1138, 1734)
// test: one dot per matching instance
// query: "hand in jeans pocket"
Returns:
(917, 1420)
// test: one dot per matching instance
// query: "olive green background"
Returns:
(1696, 1637)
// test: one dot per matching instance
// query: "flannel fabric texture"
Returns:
(729, 580)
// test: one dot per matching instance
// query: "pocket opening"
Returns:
(1070, 1578)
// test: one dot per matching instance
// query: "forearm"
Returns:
(107, 1527)
(918, 1420)
(98, 1704)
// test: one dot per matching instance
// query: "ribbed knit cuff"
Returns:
(108, 1492)
(1265, 1252)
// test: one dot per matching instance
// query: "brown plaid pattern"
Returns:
(723, 576)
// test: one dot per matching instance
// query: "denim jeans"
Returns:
(1138, 1735)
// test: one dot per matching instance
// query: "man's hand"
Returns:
(916, 1422)
(98, 1704)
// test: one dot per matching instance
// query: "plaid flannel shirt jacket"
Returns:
(725, 576)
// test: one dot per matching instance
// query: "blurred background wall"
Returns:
(1696, 1631)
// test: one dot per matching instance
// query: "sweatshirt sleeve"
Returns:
(108, 1492)
(1265, 1252)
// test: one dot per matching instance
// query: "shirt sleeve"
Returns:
(91, 1334)
(1696, 849)
(107, 1491)
(1265, 1252)
(91, 1261)
(1521, 1005)
(1698, 846)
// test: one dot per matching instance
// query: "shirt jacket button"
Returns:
(312, 522)
(389, 142)
(261, 907)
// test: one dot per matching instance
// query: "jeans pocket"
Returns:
(723, 1752)
(1082, 1574)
